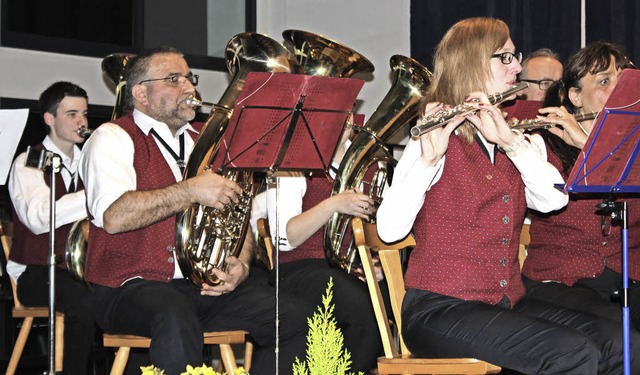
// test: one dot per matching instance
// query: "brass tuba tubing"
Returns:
(84, 132)
(541, 123)
(443, 117)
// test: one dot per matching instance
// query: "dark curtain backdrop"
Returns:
(533, 23)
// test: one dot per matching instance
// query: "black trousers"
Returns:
(534, 337)
(307, 279)
(599, 296)
(73, 298)
(175, 315)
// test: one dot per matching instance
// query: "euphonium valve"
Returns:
(84, 132)
(368, 156)
(443, 117)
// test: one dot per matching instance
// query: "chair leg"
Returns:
(248, 354)
(228, 358)
(120, 362)
(19, 346)
(59, 343)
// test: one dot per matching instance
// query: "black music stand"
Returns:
(51, 163)
(286, 122)
(608, 164)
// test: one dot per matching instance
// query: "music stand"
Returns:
(607, 164)
(51, 163)
(286, 122)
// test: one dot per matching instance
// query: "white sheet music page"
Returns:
(12, 124)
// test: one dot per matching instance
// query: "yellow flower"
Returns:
(203, 370)
(151, 370)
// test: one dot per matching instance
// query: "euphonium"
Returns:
(399, 107)
(442, 117)
(114, 67)
(541, 123)
(205, 236)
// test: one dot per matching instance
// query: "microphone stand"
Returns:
(50, 163)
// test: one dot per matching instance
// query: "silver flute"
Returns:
(541, 123)
(443, 117)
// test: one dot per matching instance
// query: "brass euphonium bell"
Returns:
(320, 56)
(368, 155)
(205, 236)
(114, 67)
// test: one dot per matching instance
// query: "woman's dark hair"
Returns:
(593, 59)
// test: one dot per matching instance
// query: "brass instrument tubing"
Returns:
(541, 123)
(84, 132)
(443, 117)
(194, 102)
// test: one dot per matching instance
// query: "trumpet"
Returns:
(443, 117)
(541, 123)
(84, 132)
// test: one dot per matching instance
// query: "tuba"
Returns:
(399, 107)
(205, 236)
(320, 56)
(114, 67)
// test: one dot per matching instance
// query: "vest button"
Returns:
(505, 198)
(489, 176)
(170, 260)
(503, 262)
(503, 283)
(505, 219)
(170, 248)
(505, 241)
(604, 243)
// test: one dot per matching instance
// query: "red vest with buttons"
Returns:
(147, 252)
(468, 229)
(31, 249)
(318, 189)
(569, 244)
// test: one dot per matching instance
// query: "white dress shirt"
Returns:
(412, 179)
(30, 196)
(106, 163)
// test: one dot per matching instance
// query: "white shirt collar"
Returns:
(146, 123)
(70, 162)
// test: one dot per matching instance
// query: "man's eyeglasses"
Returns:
(176, 79)
(507, 57)
(543, 84)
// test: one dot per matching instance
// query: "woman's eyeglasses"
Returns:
(507, 57)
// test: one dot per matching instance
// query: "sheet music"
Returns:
(12, 125)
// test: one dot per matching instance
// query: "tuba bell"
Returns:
(113, 66)
(368, 155)
(321, 56)
(205, 236)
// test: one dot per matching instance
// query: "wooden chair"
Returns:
(265, 238)
(525, 239)
(224, 339)
(399, 360)
(27, 314)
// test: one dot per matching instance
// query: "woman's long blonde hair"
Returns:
(462, 62)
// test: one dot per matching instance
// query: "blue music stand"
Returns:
(608, 164)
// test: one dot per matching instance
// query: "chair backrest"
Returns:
(525, 239)
(6, 235)
(367, 240)
(265, 235)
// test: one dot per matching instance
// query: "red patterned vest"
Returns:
(32, 249)
(318, 189)
(468, 229)
(146, 252)
(568, 245)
